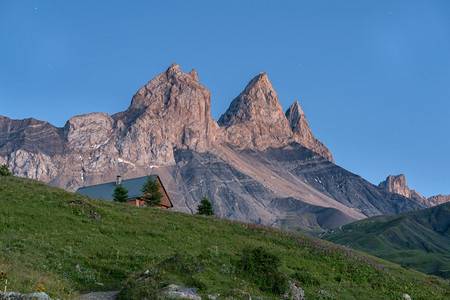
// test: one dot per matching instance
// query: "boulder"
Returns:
(180, 292)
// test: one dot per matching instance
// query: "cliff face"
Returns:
(256, 163)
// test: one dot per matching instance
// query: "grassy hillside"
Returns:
(64, 243)
(418, 239)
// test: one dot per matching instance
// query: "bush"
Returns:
(261, 267)
(4, 170)
(205, 207)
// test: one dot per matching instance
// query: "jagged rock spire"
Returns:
(255, 118)
(302, 132)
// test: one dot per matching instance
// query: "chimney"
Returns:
(119, 180)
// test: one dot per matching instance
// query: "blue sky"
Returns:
(373, 77)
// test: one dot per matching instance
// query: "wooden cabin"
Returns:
(134, 186)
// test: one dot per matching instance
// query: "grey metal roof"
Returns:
(105, 190)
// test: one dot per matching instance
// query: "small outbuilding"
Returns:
(134, 186)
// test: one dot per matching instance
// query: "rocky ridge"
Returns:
(397, 184)
(252, 163)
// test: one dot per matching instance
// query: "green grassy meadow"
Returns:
(66, 244)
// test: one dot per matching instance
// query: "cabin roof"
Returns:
(105, 190)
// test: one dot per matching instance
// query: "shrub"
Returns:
(261, 267)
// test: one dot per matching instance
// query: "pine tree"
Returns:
(151, 193)
(120, 193)
(205, 207)
(4, 170)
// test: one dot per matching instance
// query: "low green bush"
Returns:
(261, 267)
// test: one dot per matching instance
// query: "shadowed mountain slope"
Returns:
(418, 239)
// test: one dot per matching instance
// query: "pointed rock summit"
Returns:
(173, 110)
(255, 118)
(302, 131)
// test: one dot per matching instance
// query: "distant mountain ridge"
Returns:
(418, 239)
(257, 163)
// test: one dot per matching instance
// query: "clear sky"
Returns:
(373, 77)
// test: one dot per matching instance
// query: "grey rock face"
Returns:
(89, 132)
(30, 135)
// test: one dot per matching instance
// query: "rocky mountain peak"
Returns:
(173, 110)
(302, 131)
(255, 118)
(396, 184)
(294, 114)
(173, 70)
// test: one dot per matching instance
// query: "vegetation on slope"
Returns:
(418, 239)
(64, 243)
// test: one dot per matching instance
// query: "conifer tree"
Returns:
(120, 193)
(205, 207)
(151, 193)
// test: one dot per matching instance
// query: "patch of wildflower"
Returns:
(41, 288)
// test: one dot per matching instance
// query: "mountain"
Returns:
(397, 184)
(67, 244)
(256, 163)
(418, 239)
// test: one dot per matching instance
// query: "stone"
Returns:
(405, 296)
(295, 292)
(110, 295)
(180, 292)
(18, 296)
